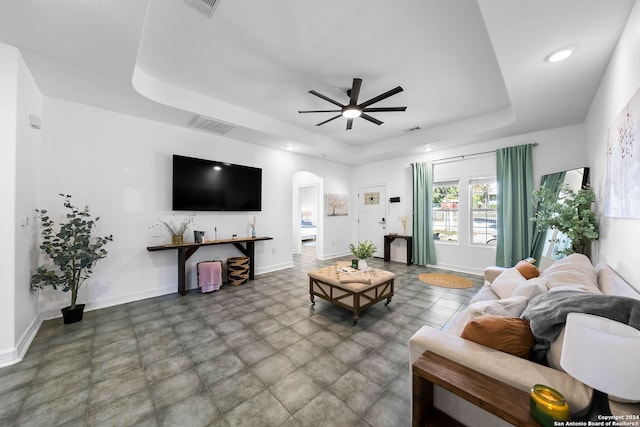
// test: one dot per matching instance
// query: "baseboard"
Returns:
(272, 268)
(16, 354)
(459, 269)
(110, 302)
(9, 357)
(325, 257)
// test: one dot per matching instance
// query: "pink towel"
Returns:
(209, 276)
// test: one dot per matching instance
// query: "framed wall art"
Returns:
(623, 163)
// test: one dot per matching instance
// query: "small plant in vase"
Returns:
(404, 220)
(362, 252)
(176, 228)
(74, 251)
(253, 227)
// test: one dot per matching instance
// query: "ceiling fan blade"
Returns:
(326, 98)
(381, 97)
(327, 121)
(320, 111)
(355, 91)
(381, 109)
(371, 119)
(349, 123)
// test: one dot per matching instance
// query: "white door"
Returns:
(372, 216)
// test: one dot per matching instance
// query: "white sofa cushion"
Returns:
(509, 307)
(512, 370)
(574, 270)
(507, 282)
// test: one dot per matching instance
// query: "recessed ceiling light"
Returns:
(560, 55)
(290, 147)
(428, 148)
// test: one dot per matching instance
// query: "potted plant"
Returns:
(362, 252)
(176, 229)
(570, 213)
(74, 250)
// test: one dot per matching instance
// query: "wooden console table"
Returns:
(500, 399)
(187, 249)
(387, 247)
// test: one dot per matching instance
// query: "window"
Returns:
(484, 215)
(445, 211)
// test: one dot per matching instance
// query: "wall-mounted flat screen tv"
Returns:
(207, 185)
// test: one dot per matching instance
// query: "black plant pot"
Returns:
(72, 316)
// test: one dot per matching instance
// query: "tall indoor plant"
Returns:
(570, 213)
(74, 250)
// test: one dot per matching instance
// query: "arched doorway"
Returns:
(307, 212)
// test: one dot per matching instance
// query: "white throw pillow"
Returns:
(574, 270)
(509, 307)
(531, 288)
(507, 282)
(575, 287)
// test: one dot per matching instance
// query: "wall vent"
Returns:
(206, 7)
(210, 125)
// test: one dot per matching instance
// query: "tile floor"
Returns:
(251, 355)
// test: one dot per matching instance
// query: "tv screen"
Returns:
(206, 185)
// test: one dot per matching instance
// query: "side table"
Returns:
(387, 246)
(500, 399)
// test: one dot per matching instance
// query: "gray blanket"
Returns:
(547, 314)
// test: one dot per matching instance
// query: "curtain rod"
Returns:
(462, 156)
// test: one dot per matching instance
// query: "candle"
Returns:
(548, 405)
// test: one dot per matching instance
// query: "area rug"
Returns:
(445, 280)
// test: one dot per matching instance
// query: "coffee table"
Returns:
(353, 292)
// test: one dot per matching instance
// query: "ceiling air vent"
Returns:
(210, 125)
(204, 6)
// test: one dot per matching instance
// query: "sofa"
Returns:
(505, 296)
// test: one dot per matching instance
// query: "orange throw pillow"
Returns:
(528, 270)
(508, 334)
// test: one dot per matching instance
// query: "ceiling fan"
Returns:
(353, 109)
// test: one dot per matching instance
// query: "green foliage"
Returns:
(442, 192)
(569, 212)
(364, 249)
(72, 248)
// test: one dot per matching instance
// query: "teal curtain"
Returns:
(424, 250)
(553, 182)
(515, 207)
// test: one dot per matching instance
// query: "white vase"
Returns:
(362, 265)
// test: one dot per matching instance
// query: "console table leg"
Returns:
(182, 261)
(422, 400)
(251, 254)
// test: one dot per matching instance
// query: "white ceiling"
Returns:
(471, 70)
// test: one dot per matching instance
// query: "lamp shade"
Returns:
(603, 354)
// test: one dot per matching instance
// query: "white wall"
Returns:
(8, 111)
(28, 149)
(558, 149)
(19, 148)
(121, 167)
(618, 243)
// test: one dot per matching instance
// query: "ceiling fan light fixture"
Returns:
(351, 112)
(561, 54)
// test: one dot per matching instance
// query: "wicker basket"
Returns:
(238, 270)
